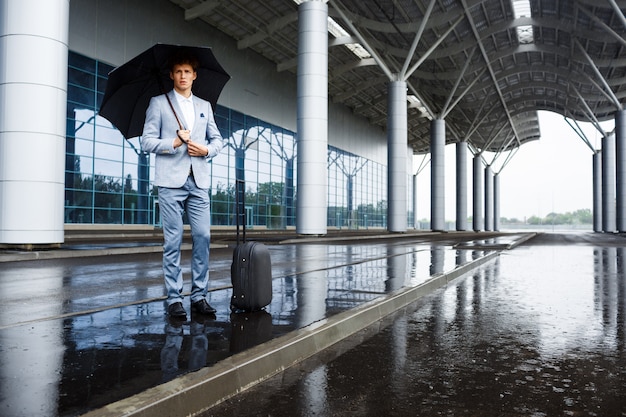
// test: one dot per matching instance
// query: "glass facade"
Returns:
(109, 180)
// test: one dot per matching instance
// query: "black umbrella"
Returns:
(131, 85)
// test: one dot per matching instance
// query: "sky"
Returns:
(552, 174)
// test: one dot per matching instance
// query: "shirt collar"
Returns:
(181, 99)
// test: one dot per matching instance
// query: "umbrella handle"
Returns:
(174, 111)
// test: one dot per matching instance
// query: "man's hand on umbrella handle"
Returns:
(182, 136)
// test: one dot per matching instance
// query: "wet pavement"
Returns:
(537, 331)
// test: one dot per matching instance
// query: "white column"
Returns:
(477, 195)
(461, 186)
(312, 120)
(608, 183)
(396, 157)
(437, 174)
(488, 198)
(416, 223)
(620, 169)
(597, 191)
(33, 101)
(496, 202)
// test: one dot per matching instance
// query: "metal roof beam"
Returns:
(508, 159)
(358, 88)
(287, 65)
(433, 48)
(599, 75)
(339, 8)
(604, 25)
(489, 67)
(344, 40)
(368, 62)
(447, 107)
(416, 40)
(618, 12)
(493, 137)
(476, 124)
(413, 91)
(598, 87)
(587, 110)
(201, 9)
(580, 133)
(266, 32)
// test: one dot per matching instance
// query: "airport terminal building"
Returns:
(310, 159)
(78, 168)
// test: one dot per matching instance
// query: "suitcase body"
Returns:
(251, 276)
(251, 270)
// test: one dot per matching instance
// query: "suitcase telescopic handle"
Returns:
(240, 186)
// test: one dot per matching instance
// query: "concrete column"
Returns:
(477, 195)
(488, 198)
(397, 140)
(597, 191)
(608, 184)
(33, 101)
(416, 223)
(312, 116)
(620, 170)
(437, 178)
(461, 186)
(496, 202)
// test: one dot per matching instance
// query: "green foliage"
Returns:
(581, 216)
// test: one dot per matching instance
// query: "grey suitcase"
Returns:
(251, 270)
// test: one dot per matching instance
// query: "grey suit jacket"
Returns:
(159, 131)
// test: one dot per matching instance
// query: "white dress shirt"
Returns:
(189, 114)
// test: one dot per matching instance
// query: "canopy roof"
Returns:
(484, 66)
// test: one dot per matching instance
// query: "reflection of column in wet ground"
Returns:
(314, 392)
(473, 289)
(311, 286)
(621, 298)
(597, 274)
(284, 290)
(399, 335)
(31, 356)
(396, 268)
(478, 290)
(606, 287)
(462, 293)
(398, 356)
(494, 269)
(437, 258)
(461, 257)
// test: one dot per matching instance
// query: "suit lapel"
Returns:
(197, 110)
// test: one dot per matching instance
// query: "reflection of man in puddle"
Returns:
(170, 353)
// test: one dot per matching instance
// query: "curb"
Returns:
(84, 253)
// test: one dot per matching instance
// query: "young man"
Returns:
(183, 177)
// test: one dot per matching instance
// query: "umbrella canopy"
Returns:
(131, 85)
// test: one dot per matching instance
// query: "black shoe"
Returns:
(202, 307)
(176, 310)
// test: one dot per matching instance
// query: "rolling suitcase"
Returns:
(251, 270)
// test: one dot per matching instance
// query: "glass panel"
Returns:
(122, 188)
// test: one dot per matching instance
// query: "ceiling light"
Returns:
(521, 8)
(338, 32)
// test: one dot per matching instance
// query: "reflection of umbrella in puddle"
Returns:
(131, 85)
